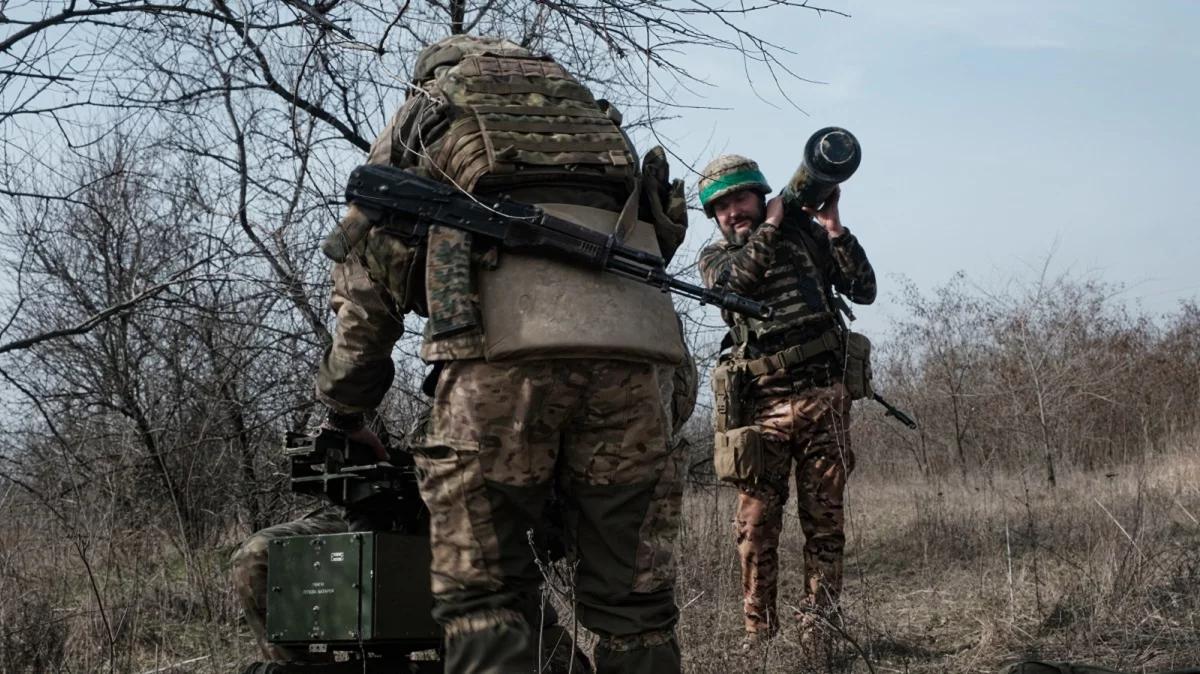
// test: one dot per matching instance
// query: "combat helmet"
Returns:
(729, 173)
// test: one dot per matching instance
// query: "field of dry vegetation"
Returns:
(1048, 506)
(962, 575)
(946, 575)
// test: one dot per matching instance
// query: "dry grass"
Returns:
(962, 576)
(949, 576)
(137, 605)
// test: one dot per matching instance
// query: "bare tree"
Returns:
(166, 170)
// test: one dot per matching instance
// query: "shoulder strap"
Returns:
(823, 261)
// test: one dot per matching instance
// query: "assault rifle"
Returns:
(521, 227)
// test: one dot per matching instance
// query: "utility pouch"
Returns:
(738, 455)
(729, 387)
(536, 307)
(858, 366)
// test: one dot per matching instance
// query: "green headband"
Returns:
(751, 176)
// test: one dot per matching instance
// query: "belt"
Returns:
(794, 356)
(810, 328)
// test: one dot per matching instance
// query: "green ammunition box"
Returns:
(354, 588)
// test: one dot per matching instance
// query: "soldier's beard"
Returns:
(739, 235)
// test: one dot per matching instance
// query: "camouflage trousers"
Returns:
(248, 573)
(500, 436)
(807, 430)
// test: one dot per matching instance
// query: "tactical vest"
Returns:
(802, 304)
(521, 120)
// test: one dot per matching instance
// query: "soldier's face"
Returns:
(738, 213)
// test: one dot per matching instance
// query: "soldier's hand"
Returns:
(774, 211)
(367, 437)
(355, 429)
(828, 215)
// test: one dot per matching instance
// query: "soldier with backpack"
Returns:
(544, 374)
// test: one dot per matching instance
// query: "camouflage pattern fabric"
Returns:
(803, 413)
(663, 202)
(357, 368)
(517, 119)
(807, 430)
(393, 264)
(680, 386)
(248, 574)
(448, 283)
(777, 266)
(499, 437)
(451, 50)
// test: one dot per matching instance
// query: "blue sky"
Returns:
(993, 134)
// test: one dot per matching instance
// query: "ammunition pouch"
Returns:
(738, 455)
(858, 366)
(737, 448)
(729, 381)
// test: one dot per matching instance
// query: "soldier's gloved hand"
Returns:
(355, 429)
(665, 201)
(656, 168)
(677, 204)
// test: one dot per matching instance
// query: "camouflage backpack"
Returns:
(516, 118)
(496, 117)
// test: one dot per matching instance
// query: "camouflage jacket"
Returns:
(793, 268)
(384, 277)
(356, 370)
